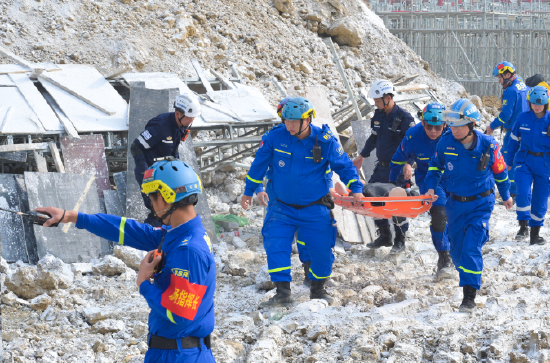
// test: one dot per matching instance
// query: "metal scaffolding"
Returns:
(464, 42)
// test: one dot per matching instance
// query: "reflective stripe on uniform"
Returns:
(351, 181)
(536, 218)
(450, 154)
(399, 162)
(433, 168)
(524, 128)
(470, 271)
(317, 277)
(523, 209)
(328, 171)
(254, 180)
(170, 316)
(501, 120)
(121, 231)
(373, 132)
(279, 269)
(300, 242)
(143, 142)
(500, 181)
(514, 137)
(281, 151)
(423, 158)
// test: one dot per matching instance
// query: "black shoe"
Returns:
(523, 230)
(444, 266)
(468, 302)
(535, 238)
(283, 296)
(398, 244)
(383, 240)
(318, 291)
(306, 266)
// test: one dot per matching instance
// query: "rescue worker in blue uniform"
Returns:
(530, 146)
(300, 154)
(472, 163)
(389, 126)
(161, 138)
(181, 297)
(514, 102)
(419, 144)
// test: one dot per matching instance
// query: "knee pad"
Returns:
(439, 218)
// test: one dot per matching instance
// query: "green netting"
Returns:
(243, 221)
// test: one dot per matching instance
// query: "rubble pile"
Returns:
(262, 38)
(387, 309)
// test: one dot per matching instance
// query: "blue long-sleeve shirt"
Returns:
(417, 146)
(296, 178)
(181, 297)
(529, 134)
(383, 139)
(461, 167)
(514, 102)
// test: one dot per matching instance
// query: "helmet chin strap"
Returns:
(300, 130)
(471, 127)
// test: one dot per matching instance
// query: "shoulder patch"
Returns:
(412, 124)
(504, 102)
(326, 133)
(180, 272)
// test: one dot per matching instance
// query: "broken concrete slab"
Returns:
(361, 132)
(70, 192)
(247, 103)
(201, 75)
(120, 181)
(43, 146)
(17, 156)
(67, 124)
(87, 156)
(5, 81)
(16, 232)
(18, 117)
(36, 102)
(41, 164)
(144, 105)
(112, 203)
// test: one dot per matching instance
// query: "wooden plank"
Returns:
(371, 226)
(87, 156)
(41, 164)
(226, 82)
(43, 146)
(412, 87)
(36, 101)
(56, 157)
(6, 53)
(201, 75)
(365, 234)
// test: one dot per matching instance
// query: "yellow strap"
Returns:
(500, 181)
(470, 271)
(423, 158)
(317, 277)
(450, 154)
(512, 181)
(254, 180)
(501, 120)
(279, 269)
(433, 168)
(300, 242)
(121, 231)
(351, 181)
(169, 315)
(328, 171)
(281, 151)
(399, 162)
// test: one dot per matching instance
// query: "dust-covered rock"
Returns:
(109, 266)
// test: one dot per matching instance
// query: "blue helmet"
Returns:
(298, 108)
(433, 113)
(538, 95)
(461, 113)
(503, 67)
(173, 179)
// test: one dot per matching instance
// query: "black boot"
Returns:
(282, 297)
(398, 243)
(444, 266)
(306, 266)
(535, 238)
(523, 230)
(468, 302)
(383, 240)
(318, 291)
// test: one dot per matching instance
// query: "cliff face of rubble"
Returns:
(281, 38)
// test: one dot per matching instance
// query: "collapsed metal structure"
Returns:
(465, 40)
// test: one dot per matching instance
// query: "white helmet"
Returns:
(380, 88)
(189, 104)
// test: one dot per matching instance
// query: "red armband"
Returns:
(499, 165)
(182, 297)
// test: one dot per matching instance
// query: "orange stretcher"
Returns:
(385, 207)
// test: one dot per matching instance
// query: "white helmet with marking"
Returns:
(189, 104)
(380, 88)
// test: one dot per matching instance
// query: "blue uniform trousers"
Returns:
(511, 172)
(381, 174)
(314, 228)
(468, 232)
(191, 355)
(439, 239)
(527, 174)
(303, 253)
